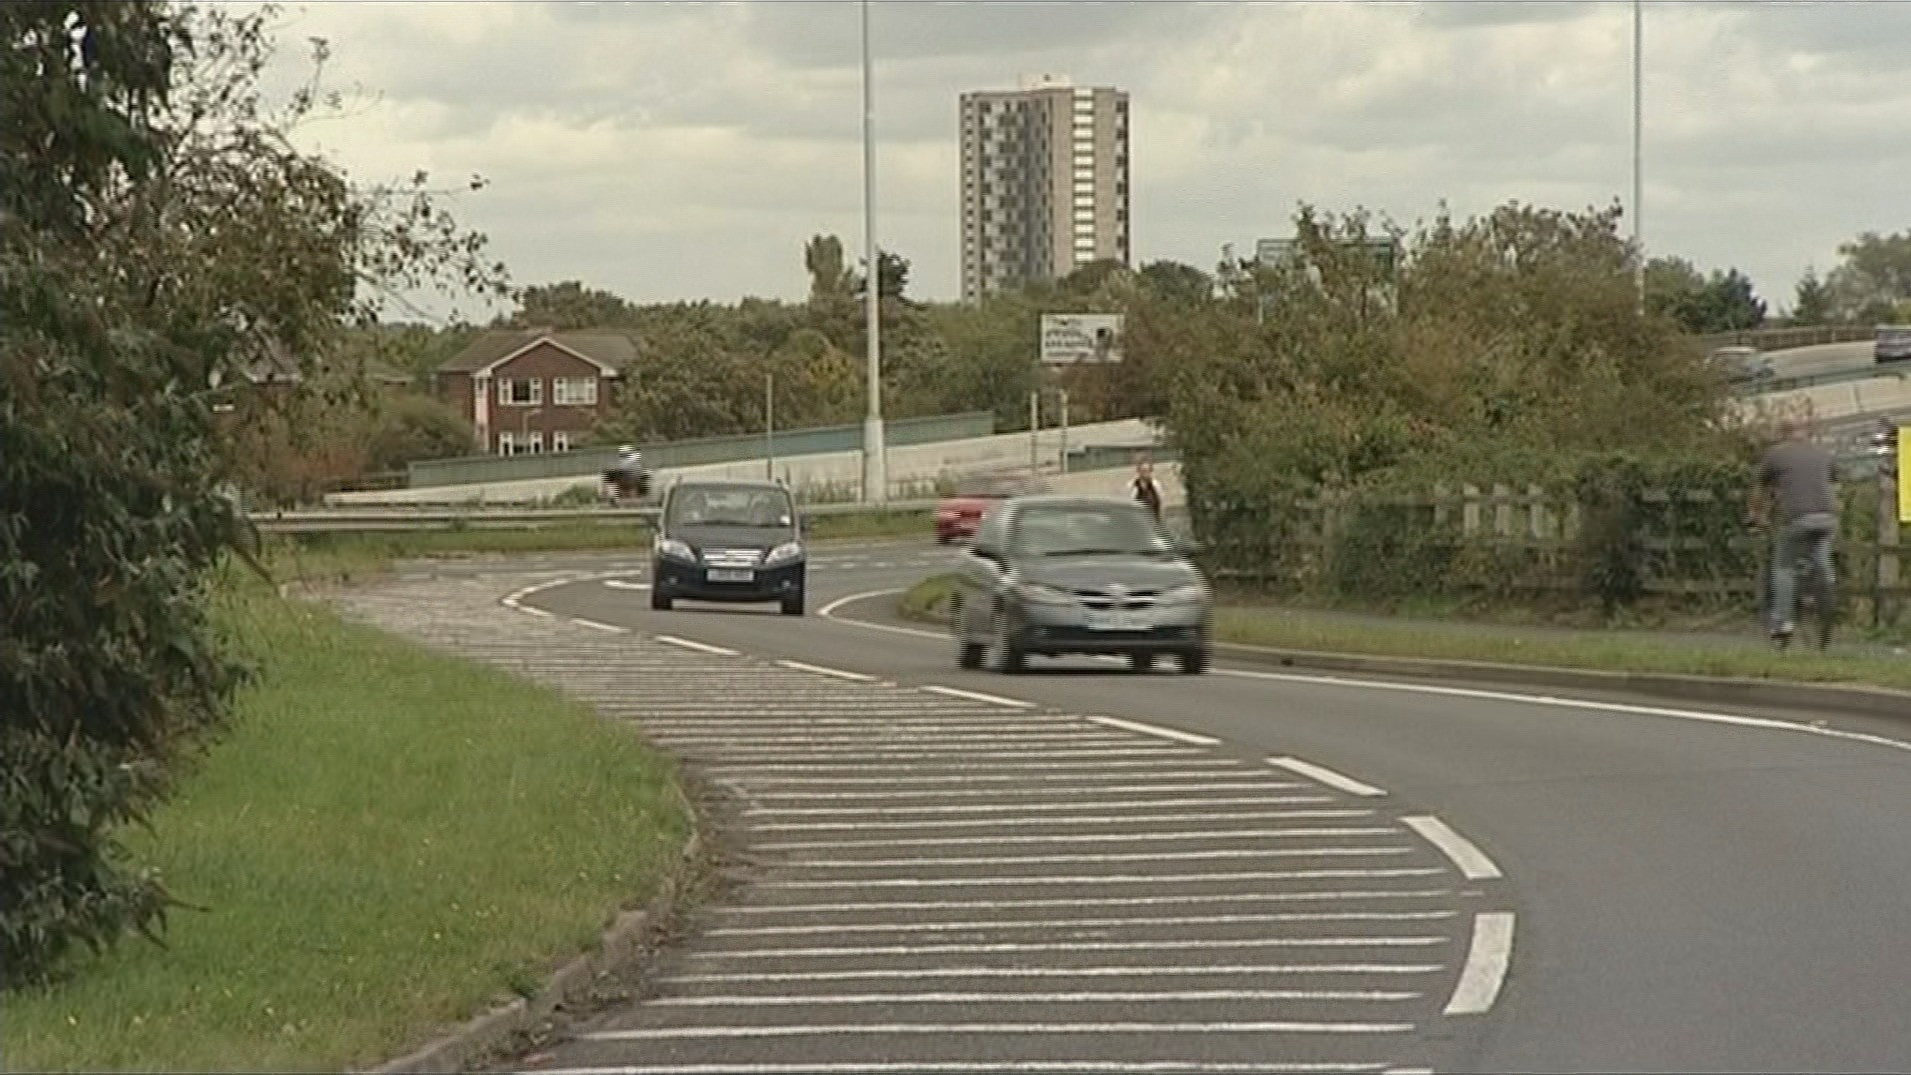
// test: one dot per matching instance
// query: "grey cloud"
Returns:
(826, 33)
(1460, 14)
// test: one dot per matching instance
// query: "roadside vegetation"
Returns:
(386, 841)
(1612, 650)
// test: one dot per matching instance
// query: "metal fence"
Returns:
(403, 520)
(816, 440)
(1780, 339)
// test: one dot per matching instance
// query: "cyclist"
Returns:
(1796, 477)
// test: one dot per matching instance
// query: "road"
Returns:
(1683, 890)
(1821, 359)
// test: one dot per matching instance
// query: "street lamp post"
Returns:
(875, 474)
(1638, 152)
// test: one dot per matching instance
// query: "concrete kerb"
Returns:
(496, 1032)
(1716, 690)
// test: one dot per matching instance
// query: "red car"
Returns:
(958, 513)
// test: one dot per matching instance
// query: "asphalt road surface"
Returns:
(1822, 358)
(1088, 869)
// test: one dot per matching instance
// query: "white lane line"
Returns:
(1154, 730)
(748, 1000)
(1006, 1067)
(1377, 851)
(1327, 776)
(998, 840)
(699, 647)
(1074, 903)
(835, 673)
(1514, 697)
(1486, 963)
(835, 928)
(865, 883)
(538, 612)
(969, 793)
(883, 974)
(977, 696)
(1024, 822)
(1052, 773)
(596, 626)
(812, 1030)
(1411, 940)
(1473, 862)
(621, 584)
(1005, 808)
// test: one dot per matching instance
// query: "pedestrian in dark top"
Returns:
(1794, 495)
(1144, 486)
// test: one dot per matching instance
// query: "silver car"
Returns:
(1055, 575)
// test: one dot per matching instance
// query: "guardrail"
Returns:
(403, 520)
(1783, 339)
(1816, 380)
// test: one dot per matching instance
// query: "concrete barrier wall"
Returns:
(911, 468)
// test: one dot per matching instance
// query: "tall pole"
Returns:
(875, 474)
(769, 426)
(1638, 152)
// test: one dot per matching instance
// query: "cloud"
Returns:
(687, 150)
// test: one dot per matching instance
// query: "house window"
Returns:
(574, 391)
(520, 392)
(520, 443)
(561, 439)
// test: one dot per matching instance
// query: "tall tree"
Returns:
(133, 138)
(1874, 279)
(569, 306)
(1811, 300)
(831, 281)
(1177, 282)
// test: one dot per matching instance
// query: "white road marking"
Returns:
(863, 883)
(748, 1000)
(978, 696)
(960, 793)
(1072, 903)
(538, 612)
(1327, 776)
(1473, 862)
(596, 626)
(883, 974)
(835, 673)
(621, 584)
(1052, 773)
(1478, 694)
(1003, 808)
(997, 839)
(1138, 856)
(834, 928)
(1006, 1067)
(1486, 963)
(1158, 732)
(1020, 822)
(700, 647)
(811, 1030)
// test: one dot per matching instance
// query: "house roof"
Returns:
(608, 350)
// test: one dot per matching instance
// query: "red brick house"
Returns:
(535, 390)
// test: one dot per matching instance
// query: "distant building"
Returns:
(535, 390)
(1044, 182)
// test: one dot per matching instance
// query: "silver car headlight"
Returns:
(675, 550)
(1192, 594)
(789, 550)
(1039, 594)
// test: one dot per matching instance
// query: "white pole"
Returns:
(769, 426)
(875, 474)
(1638, 151)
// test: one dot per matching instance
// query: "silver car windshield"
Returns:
(1089, 530)
(762, 508)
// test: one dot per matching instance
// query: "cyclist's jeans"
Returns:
(1807, 535)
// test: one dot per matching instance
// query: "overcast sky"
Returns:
(684, 151)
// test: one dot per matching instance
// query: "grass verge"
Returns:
(387, 841)
(1608, 651)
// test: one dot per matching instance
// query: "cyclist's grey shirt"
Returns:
(1801, 474)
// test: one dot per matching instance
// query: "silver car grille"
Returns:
(1116, 599)
(732, 557)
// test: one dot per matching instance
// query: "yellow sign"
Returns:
(1904, 475)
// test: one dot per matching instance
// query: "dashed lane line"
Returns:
(808, 1030)
(1329, 777)
(1488, 957)
(978, 696)
(699, 647)
(1156, 731)
(834, 673)
(1473, 863)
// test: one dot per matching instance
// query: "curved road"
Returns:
(1694, 891)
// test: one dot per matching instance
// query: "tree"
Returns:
(831, 281)
(1874, 279)
(1729, 304)
(1702, 305)
(134, 137)
(1177, 282)
(568, 306)
(894, 274)
(1812, 300)
(412, 428)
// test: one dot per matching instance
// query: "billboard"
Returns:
(1080, 339)
(1383, 250)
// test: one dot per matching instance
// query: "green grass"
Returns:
(1609, 651)
(388, 841)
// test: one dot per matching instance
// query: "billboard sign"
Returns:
(1381, 249)
(1081, 339)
